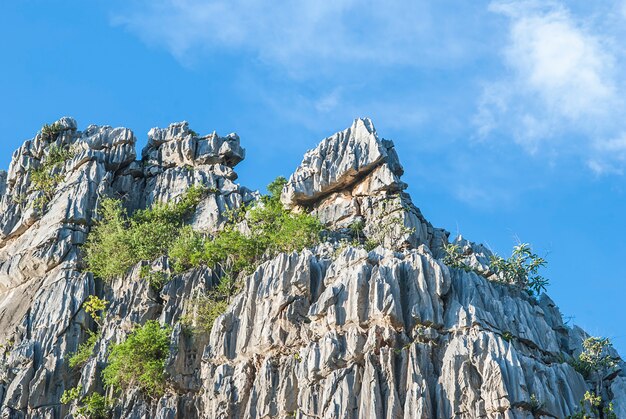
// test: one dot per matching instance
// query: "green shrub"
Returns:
(156, 279)
(118, 242)
(521, 269)
(187, 250)
(94, 305)
(389, 228)
(357, 230)
(595, 355)
(139, 361)
(454, 257)
(47, 177)
(535, 404)
(51, 131)
(94, 406)
(204, 310)
(594, 360)
(272, 230)
(593, 406)
(71, 394)
(85, 350)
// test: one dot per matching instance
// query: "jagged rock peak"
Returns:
(331, 331)
(340, 161)
(178, 145)
(114, 147)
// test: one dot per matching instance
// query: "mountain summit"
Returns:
(341, 301)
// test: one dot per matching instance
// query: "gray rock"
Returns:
(177, 145)
(334, 331)
(337, 163)
(3, 183)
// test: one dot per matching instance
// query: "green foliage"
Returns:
(19, 199)
(535, 404)
(47, 177)
(508, 336)
(595, 354)
(370, 244)
(71, 394)
(51, 131)
(389, 228)
(592, 406)
(357, 229)
(454, 257)
(108, 250)
(204, 310)
(85, 350)
(594, 360)
(94, 406)
(139, 361)
(156, 279)
(187, 250)
(272, 230)
(276, 187)
(118, 242)
(7, 347)
(94, 305)
(521, 269)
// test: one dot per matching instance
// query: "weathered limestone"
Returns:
(334, 331)
(177, 145)
(354, 176)
(3, 182)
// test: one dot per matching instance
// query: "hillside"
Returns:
(376, 316)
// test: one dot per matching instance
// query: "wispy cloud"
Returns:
(560, 94)
(544, 75)
(303, 36)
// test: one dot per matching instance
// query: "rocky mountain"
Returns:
(376, 328)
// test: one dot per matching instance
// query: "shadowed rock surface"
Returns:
(331, 332)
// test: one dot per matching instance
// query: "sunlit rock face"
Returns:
(332, 331)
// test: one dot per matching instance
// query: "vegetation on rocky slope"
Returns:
(46, 178)
(117, 242)
(251, 236)
(139, 361)
(521, 269)
(595, 363)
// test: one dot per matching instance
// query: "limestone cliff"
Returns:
(332, 331)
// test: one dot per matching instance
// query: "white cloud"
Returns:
(560, 94)
(303, 36)
(558, 59)
(608, 156)
(328, 102)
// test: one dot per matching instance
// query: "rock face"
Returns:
(333, 331)
(353, 176)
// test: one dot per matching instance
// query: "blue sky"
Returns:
(508, 115)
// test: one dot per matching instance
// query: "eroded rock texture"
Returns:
(334, 331)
